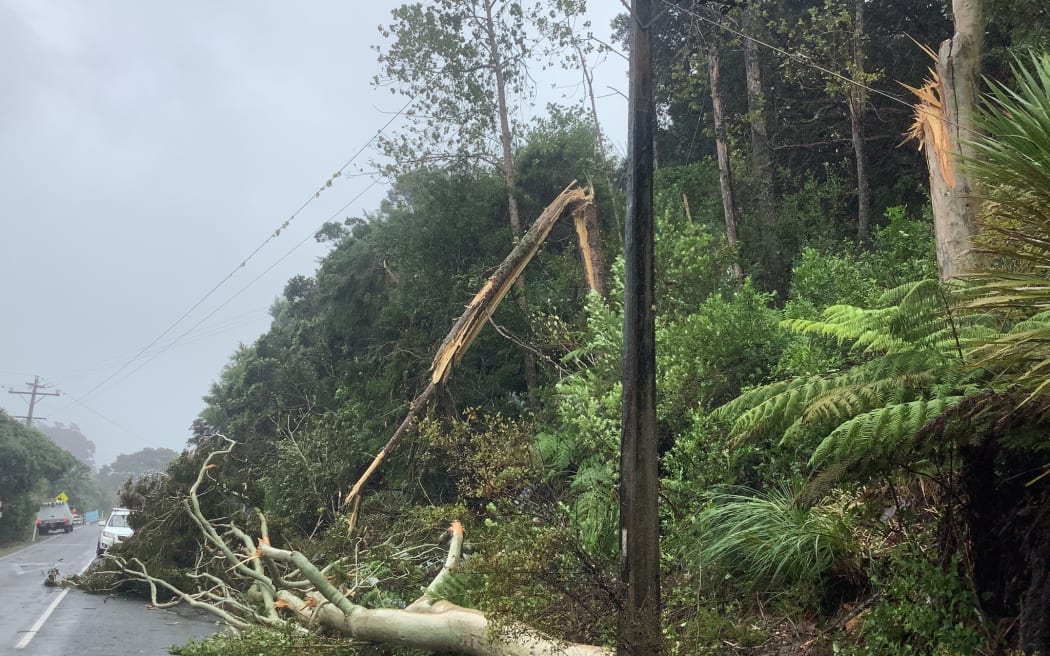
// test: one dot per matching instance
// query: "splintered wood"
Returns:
(573, 199)
(930, 127)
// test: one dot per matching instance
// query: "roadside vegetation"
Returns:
(853, 449)
(34, 469)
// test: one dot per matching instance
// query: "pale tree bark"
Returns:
(259, 584)
(761, 152)
(858, 99)
(586, 221)
(505, 137)
(507, 159)
(944, 122)
(725, 172)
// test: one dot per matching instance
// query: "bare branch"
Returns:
(429, 623)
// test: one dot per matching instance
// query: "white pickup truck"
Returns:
(54, 516)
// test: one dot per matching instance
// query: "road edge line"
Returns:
(39, 624)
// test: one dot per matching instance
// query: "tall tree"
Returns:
(834, 35)
(71, 439)
(725, 171)
(467, 62)
(462, 63)
(761, 151)
(857, 96)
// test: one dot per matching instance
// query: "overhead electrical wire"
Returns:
(95, 412)
(327, 185)
(305, 239)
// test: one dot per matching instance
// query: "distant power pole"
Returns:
(35, 391)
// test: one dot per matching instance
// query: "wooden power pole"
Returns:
(639, 631)
(34, 391)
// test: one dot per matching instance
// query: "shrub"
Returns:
(922, 608)
(706, 357)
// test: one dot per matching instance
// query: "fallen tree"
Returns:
(245, 581)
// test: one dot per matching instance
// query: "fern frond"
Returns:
(911, 292)
(825, 400)
(876, 434)
(732, 410)
(852, 400)
(864, 329)
(778, 411)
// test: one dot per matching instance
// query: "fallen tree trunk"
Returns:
(265, 585)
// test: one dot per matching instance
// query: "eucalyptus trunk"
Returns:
(725, 173)
(951, 191)
(507, 159)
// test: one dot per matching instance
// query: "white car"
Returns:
(115, 530)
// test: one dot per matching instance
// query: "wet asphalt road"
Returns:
(38, 620)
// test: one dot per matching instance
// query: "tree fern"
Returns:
(863, 329)
(911, 368)
(832, 399)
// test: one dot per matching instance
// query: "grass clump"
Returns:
(773, 541)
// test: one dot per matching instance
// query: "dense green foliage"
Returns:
(34, 469)
(853, 454)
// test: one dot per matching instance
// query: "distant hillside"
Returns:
(71, 439)
(134, 465)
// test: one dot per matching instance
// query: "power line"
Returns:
(99, 414)
(305, 239)
(327, 184)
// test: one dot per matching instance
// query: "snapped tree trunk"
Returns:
(478, 311)
(725, 173)
(587, 232)
(944, 121)
(761, 153)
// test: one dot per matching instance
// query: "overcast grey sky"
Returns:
(146, 149)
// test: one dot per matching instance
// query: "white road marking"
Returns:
(39, 624)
